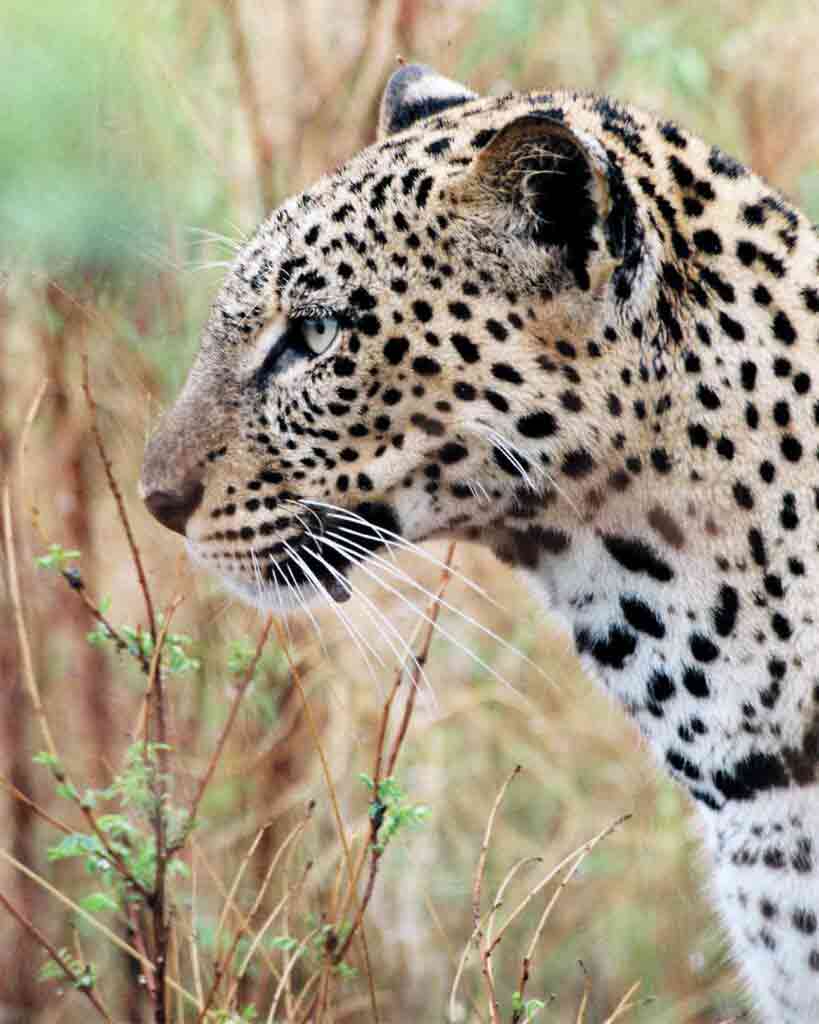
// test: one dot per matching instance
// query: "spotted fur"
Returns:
(584, 337)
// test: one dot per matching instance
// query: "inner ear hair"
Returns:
(552, 181)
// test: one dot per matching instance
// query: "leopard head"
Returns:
(411, 348)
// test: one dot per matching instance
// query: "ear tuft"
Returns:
(414, 92)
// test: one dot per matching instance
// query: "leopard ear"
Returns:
(542, 182)
(415, 92)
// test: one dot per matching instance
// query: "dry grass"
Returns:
(236, 107)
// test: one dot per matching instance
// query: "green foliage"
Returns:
(176, 656)
(525, 1010)
(57, 558)
(84, 975)
(122, 839)
(391, 810)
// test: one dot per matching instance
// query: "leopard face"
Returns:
(402, 349)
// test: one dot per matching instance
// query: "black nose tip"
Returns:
(174, 508)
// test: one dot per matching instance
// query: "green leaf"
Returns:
(97, 902)
(57, 558)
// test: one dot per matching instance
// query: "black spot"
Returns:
(424, 189)
(343, 367)
(426, 366)
(460, 311)
(422, 310)
(727, 166)
(497, 330)
(660, 460)
(496, 401)
(641, 617)
(464, 391)
(695, 682)
(708, 241)
(708, 397)
(395, 350)
(781, 626)
(683, 765)
(743, 495)
(452, 452)
(638, 557)
(505, 372)
(698, 435)
(466, 349)
(748, 375)
(702, 648)
(791, 448)
(725, 611)
(537, 424)
(577, 463)
(757, 545)
(783, 329)
(733, 329)
(618, 645)
(660, 686)
(755, 773)
(804, 920)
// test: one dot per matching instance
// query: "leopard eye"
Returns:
(319, 335)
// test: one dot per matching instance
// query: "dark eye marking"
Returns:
(302, 338)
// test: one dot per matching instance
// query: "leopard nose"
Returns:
(173, 508)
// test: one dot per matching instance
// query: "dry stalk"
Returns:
(241, 689)
(38, 936)
(481, 865)
(431, 618)
(623, 1006)
(580, 854)
(19, 795)
(584, 1000)
(116, 493)
(223, 963)
(14, 585)
(268, 923)
(342, 833)
(290, 965)
(249, 98)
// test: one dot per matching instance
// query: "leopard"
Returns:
(573, 332)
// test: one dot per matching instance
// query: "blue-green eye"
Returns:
(319, 335)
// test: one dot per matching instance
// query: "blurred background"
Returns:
(139, 145)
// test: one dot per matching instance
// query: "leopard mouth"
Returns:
(313, 565)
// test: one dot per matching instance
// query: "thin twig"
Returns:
(75, 581)
(481, 865)
(245, 681)
(581, 853)
(19, 795)
(113, 486)
(37, 935)
(14, 587)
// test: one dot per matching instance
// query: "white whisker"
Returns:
(361, 644)
(348, 553)
(397, 572)
(391, 538)
(375, 614)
